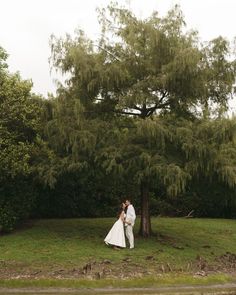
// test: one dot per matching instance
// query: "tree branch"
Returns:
(107, 52)
(158, 105)
(126, 113)
(136, 108)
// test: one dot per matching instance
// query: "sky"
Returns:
(26, 26)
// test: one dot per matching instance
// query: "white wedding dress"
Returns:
(116, 235)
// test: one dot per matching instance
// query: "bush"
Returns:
(8, 219)
(17, 198)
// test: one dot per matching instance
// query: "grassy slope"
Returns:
(47, 246)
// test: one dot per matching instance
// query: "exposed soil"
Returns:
(127, 268)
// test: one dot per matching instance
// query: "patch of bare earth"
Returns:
(127, 268)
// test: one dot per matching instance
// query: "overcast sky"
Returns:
(26, 26)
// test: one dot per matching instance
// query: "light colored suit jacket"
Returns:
(130, 215)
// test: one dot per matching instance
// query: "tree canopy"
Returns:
(145, 66)
(20, 143)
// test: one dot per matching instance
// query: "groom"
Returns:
(129, 222)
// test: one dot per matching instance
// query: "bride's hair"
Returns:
(120, 210)
(125, 210)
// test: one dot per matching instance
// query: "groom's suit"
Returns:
(130, 217)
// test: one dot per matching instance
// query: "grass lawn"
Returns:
(73, 249)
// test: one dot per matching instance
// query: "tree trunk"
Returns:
(145, 225)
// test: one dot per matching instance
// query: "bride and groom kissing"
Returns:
(123, 226)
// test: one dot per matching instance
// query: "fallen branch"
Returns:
(190, 214)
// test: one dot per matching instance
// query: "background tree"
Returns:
(20, 126)
(146, 69)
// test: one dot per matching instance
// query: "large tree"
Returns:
(145, 70)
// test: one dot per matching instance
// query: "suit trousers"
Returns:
(130, 236)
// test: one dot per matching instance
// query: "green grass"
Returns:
(46, 246)
(167, 280)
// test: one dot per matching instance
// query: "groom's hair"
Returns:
(129, 200)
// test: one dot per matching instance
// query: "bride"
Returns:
(116, 236)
